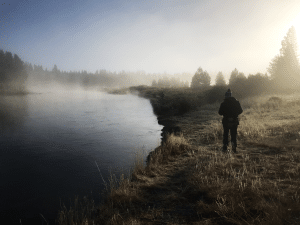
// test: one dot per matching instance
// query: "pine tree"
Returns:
(200, 79)
(2, 66)
(233, 76)
(55, 69)
(12, 73)
(220, 81)
(154, 83)
(284, 68)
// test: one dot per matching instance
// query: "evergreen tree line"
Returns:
(13, 73)
(284, 75)
(170, 82)
(101, 78)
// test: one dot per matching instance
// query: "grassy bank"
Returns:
(188, 180)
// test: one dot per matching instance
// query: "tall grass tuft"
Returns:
(81, 212)
(125, 202)
(121, 194)
(174, 145)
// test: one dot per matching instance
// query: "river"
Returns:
(50, 144)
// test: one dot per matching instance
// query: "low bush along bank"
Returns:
(188, 180)
(170, 101)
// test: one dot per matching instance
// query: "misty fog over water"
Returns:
(50, 141)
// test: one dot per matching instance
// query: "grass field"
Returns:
(188, 180)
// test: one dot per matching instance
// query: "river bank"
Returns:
(188, 180)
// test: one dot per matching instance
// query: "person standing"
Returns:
(230, 109)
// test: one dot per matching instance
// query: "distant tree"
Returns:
(103, 72)
(241, 75)
(7, 66)
(9, 61)
(233, 76)
(284, 68)
(18, 64)
(38, 68)
(154, 83)
(164, 82)
(200, 79)
(55, 69)
(186, 84)
(2, 66)
(19, 74)
(160, 82)
(2, 54)
(220, 80)
(173, 82)
(29, 67)
(240, 83)
(258, 84)
(12, 73)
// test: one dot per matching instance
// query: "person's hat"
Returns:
(228, 93)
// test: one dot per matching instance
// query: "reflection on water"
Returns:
(49, 144)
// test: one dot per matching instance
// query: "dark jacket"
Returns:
(230, 108)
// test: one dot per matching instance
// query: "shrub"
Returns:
(275, 99)
(215, 94)
(159, 108)
(273, 103)
(184, 106)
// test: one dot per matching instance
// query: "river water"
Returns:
(50, 144)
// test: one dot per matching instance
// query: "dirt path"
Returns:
(171, 198)
(170, 195)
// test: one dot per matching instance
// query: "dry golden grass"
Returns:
(202, 186)
(248, 188)
(188, 180)
(263, 122)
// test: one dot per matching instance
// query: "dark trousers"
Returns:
(233, 133)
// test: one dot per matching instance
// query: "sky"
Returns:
(166, 36)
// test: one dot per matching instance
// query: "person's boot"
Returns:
(224, 148)
(233, 146)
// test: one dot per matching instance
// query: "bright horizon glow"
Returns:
(153, 36)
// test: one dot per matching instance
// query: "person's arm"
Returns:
(221, 110)
(240, 109)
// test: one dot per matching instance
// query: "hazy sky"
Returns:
(155, 36)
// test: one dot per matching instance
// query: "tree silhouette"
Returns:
(233, 76)
(55, 70)
(2, 66)
(12, 73)
(258, 83)
(220, 81)
(200, 79)
(154, 83)
(284, 68)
